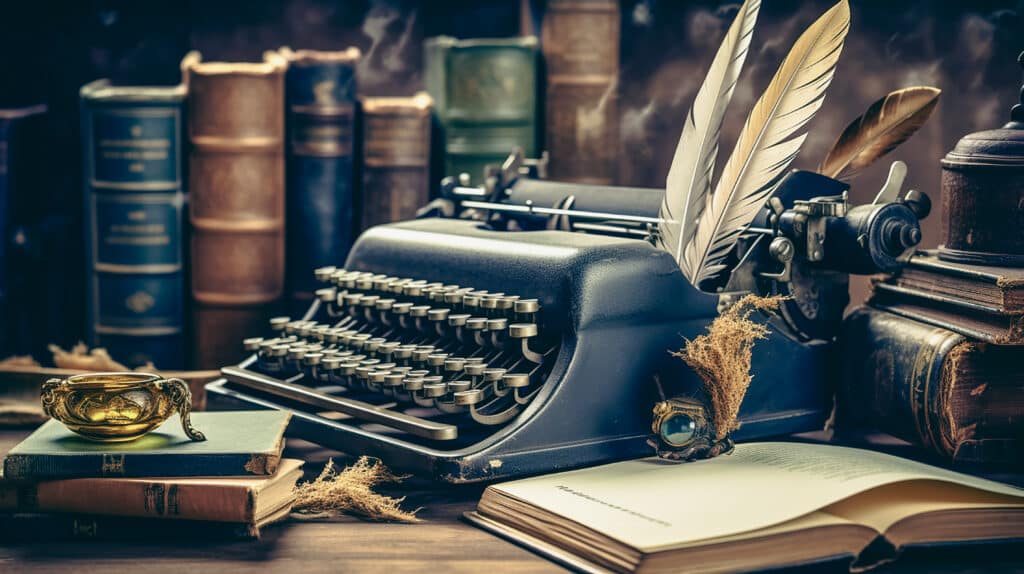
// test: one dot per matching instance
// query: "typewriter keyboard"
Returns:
(442, 363)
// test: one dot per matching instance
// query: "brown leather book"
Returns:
(580, 41)
(396, 158)
(236, 128)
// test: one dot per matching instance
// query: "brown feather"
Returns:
(889, 122)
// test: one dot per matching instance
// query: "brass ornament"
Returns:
(684, 432)
(117, 407)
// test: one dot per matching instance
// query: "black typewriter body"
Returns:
(574, 332)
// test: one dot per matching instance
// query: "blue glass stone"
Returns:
(678, 429)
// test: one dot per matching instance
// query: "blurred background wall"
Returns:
(968, 49)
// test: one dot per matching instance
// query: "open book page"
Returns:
(884, 506)
(655, 505)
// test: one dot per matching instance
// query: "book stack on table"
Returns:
(56, 485)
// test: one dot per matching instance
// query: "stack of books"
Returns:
(58, 486)
(935, 359)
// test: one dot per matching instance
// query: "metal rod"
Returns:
(533, 209)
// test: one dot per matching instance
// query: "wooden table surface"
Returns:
(442, 543)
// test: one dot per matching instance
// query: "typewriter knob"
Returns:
(526, 306)
(413, 288)
(497, 324)
(330, 363)
(278, 323)
(458, 320)
(516, 380)
(468, 397)
(394, 380)
(384, 304)
(492, 375)
(438, 314)
(312, 359)
(459, 386)
(373, 344)
(419, 310)
(327, 294)
(401, 308)
(433, 387)
(476, 323)
(437, 359)
(471, 300)
(475, 369)
(413, 382)
(420, 355)
(454, 364)
(279, 351)
(252, 344)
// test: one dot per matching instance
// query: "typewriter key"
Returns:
(278, 323)
(454, 365)
(326, 294)
(252, 344)
(475, 369)
(457, 386)
(312, 359)
(516, 380)
(323, 273)
(433, 388)
(468, 397)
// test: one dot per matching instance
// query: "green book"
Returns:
(238, 443)
(485, 94)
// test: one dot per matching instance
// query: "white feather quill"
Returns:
(769, 141)
(689, 178)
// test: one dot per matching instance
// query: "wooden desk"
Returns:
(441, 544)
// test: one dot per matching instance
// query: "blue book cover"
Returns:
(320, 90)
(238, 443)
(134, 201)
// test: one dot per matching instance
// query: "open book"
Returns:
(765, 505)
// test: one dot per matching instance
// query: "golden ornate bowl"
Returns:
(116, 407)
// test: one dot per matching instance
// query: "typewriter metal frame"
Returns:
(615, 306)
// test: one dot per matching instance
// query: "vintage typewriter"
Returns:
(525, 326)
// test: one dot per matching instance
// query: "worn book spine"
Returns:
(29, 527)
(141, 498)
(134, 200)
(485, 94)
(931, 386)
(237, 195)
(321, 102)
(396, 158)
(580, 42)
(98, 464)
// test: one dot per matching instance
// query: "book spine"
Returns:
(134, 203)
(396, 164)
(320, 122)
(930, 386)
(23, 527)
(153, 499)
(485, 93)
(580, 41)
(38, 467)
(237, 202)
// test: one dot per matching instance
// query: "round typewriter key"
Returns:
(278, 323)
(402, 353)
(526, 306)
(279, 350)
(369, 300)
(394, 380)
(436, 359)
(413, 289)
(456, 386)
(377, 377)
(312, 359)
(497, 324)
(251, 344)
(420, 355)
(397, 285)
(330, 363)
(364, 283)
(369, 362)
(458, 320)
(401, 308)
(352, 299)
(438, 314)
(491, 375)
(454, 364)
(491, 301)
(507, 302)
(373, 344)
(410, 383)
(348, 369)
(471, 300)
(384, 304)
(522, 330)
(296, 353)
(516, 380)
(419, 310)
(474, 360)
(468, 397)
(381, 283)
(475, 369)
(322, 273)
(388, 347)
(326, 294)
(476, 323)
(433, 389)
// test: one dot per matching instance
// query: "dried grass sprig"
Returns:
(722, 358)
(351, 492)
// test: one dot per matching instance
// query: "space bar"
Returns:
(357, 409)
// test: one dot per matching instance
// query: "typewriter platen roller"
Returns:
(464, 353)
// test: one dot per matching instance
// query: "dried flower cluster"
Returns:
(351, 492)
(722, 358)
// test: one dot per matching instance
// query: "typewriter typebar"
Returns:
(463, 353)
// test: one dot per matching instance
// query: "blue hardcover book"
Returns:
(320, 91)
(238, 443)
(134, 201)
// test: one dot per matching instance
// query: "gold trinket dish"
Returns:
(116, 407)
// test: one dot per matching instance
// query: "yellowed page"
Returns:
(654, 505)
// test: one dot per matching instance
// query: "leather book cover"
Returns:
(238, 443)
(580, 42)
(59, 527)
(485, 96)
(135, 199)
(984, 288)
(236, 179)
(320, 90)
(931, 386)
(217, 332)
(987, 327)
(245, 499)
(396, 158)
